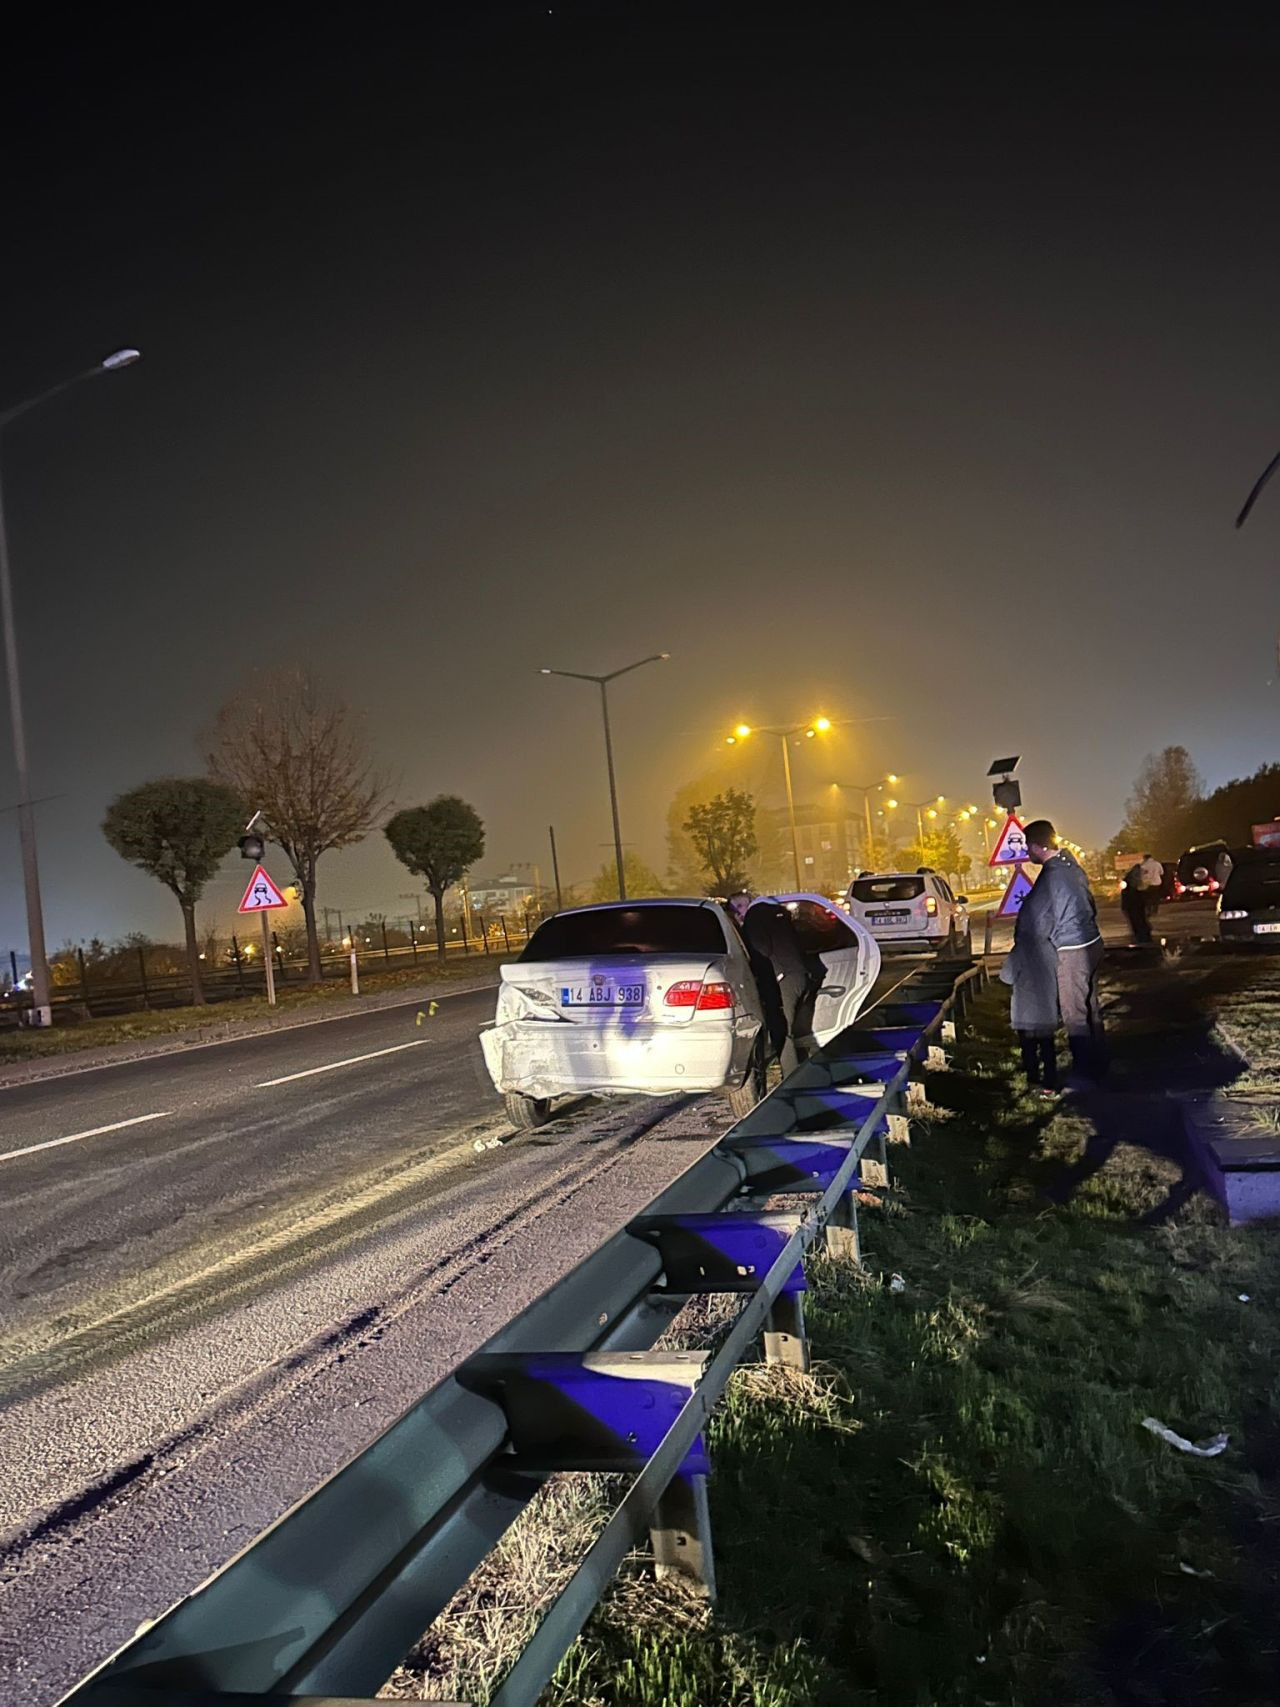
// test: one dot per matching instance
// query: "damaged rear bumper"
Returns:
(540, 1059)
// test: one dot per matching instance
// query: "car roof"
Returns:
(642, 901)
(875, 876)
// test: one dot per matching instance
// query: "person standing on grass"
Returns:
(1133, 903)
(1060, 913)
(1031, 968)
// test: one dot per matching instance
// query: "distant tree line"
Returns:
(296, 754)
(1168, 810)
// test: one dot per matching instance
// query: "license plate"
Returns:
(886, 918)
(602, 995)
(1266, 930)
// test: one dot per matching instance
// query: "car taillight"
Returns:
(931, 907)
(691, 993)
(1179, 888)
(1213, 886)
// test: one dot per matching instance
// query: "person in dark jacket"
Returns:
(1133, 903)
(1060, 912)
(782, 972)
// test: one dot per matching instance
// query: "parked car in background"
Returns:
(655, 996)
(1197, 873)
(1249, 910)
(910, 909)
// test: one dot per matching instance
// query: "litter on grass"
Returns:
(1204, 1449)
(897, 1283)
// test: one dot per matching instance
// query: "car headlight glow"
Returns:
(1233, 913)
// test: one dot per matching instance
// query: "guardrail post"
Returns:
(874, 1166)
(842, 1231)
(785, 1340)
(987, 923)
(681, 1534)
(899, 1128)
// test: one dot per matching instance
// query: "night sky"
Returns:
(914, 374)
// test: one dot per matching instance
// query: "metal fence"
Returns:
(141, 979)
(327, 1602)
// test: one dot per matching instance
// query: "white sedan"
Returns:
(650, 997)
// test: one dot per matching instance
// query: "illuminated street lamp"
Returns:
(602, 682)
(923, 809)
(41, 1009)
(784, 732)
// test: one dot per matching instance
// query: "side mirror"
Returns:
(962, 900)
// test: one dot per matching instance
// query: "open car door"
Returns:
(848, 951)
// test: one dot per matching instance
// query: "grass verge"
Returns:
(962, 1507)
(221, 1018)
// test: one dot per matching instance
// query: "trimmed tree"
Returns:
(177, 829)
(723, 832)
(642, 880)
(298, 754)
(438, 842)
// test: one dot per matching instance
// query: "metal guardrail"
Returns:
(104, 997)
(332, 1596)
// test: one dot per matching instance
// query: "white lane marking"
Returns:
(93, 1132)
(332, 1066)
(245, 1037)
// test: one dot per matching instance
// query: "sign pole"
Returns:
(267, 958)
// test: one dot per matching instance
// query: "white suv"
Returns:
(910, 909)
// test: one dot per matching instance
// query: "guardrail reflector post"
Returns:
(785, 1340)
(718, 1252)
(602, 1410)
(681, 1534)
(899, 1129)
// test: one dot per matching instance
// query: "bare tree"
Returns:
(298, 754)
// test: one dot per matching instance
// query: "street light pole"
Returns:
(613, 793)
(41, 1005)
(602, 682)
(791, 809)
(866, 790)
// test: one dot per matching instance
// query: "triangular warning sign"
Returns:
(1011, 844)
(1020, 886)
(261, 895)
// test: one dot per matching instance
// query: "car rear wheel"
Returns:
(526, 1113)
(744, 1097)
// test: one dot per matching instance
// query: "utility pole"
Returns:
(555, 868)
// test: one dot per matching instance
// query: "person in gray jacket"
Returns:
(1031, 968)
(1060, 914)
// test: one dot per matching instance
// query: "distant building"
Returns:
(506, 896)
(831, 850)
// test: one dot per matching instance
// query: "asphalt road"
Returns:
(223, 1272)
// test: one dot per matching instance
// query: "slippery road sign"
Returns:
(1011, 845)
(1020, 886)
(261, 895)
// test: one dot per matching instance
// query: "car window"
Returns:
(628, 930)
(819, 930)
(946, 890)
(888, 888)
